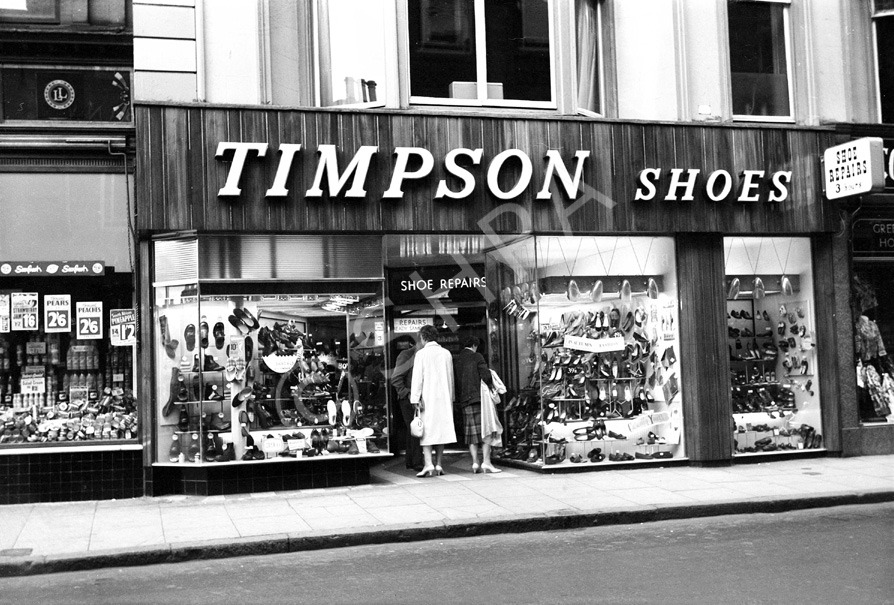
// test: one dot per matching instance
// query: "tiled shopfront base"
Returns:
(68, 476)
(241, 478)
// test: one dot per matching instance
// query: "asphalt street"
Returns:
(819, 556)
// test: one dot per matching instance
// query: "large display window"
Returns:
(253, 372)
(66, 367)
(772, 345)
(589, 328)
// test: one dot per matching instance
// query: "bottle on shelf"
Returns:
(174, 454)
(194, 453)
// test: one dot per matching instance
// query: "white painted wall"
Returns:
(706, 60)
(165, 51)
(232, 47)
(670, 56)
(645, 57)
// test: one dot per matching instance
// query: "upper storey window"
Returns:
(759, 59)
(472, 52)
(883, 22)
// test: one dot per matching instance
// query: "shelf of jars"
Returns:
(60, 391)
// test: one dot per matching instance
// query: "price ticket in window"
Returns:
(123, 327)
(57, 313)
(89, 325)
(24, 311)
(4, 313)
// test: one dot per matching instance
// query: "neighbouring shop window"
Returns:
(589, 55)
(771, 338)
(66, 94)
(352, 52)
(481, 52)
(883, 21)
(872, 299)
(66, 355)
(589, 330)
(758, 47)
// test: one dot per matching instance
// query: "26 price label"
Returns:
(57, 313)
(89, 320)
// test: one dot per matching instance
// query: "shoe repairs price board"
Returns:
(123, 327)
(89, 320)
(24, 311)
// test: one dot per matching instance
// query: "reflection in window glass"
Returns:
(442, 46)
(444, 49)
(518, 50)
(588, 81)
(352, 52)
(758, 69)
(884, 34)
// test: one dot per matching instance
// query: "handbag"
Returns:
(416, 426)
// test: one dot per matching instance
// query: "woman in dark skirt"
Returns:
(470, 370)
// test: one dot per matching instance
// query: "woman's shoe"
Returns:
(428, 471)
(475, 468)
(489, 468)
(439, 470)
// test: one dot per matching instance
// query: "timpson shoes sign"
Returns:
(330, 179)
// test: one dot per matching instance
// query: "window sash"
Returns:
(786, 28)
(481, 82)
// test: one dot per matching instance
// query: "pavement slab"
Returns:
(398, 506)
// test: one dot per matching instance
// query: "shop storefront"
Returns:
(650, 294)
(69, 410)
(869, 244)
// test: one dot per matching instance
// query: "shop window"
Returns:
(883, 22)
(587, 329)
(66, 355)
(758, 59)
(588, 17)
(872, 298)
(771, 323)
(249, 369)
(476, 52)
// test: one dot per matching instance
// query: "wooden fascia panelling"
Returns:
(179, 177)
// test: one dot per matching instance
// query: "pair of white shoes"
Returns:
(484, 468)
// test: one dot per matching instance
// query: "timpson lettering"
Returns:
(357, 169)
(352, 180)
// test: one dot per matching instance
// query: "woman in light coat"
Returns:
(432, 390)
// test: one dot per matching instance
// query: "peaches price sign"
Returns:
(89, 324)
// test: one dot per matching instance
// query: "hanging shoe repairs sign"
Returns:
(89, 320)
